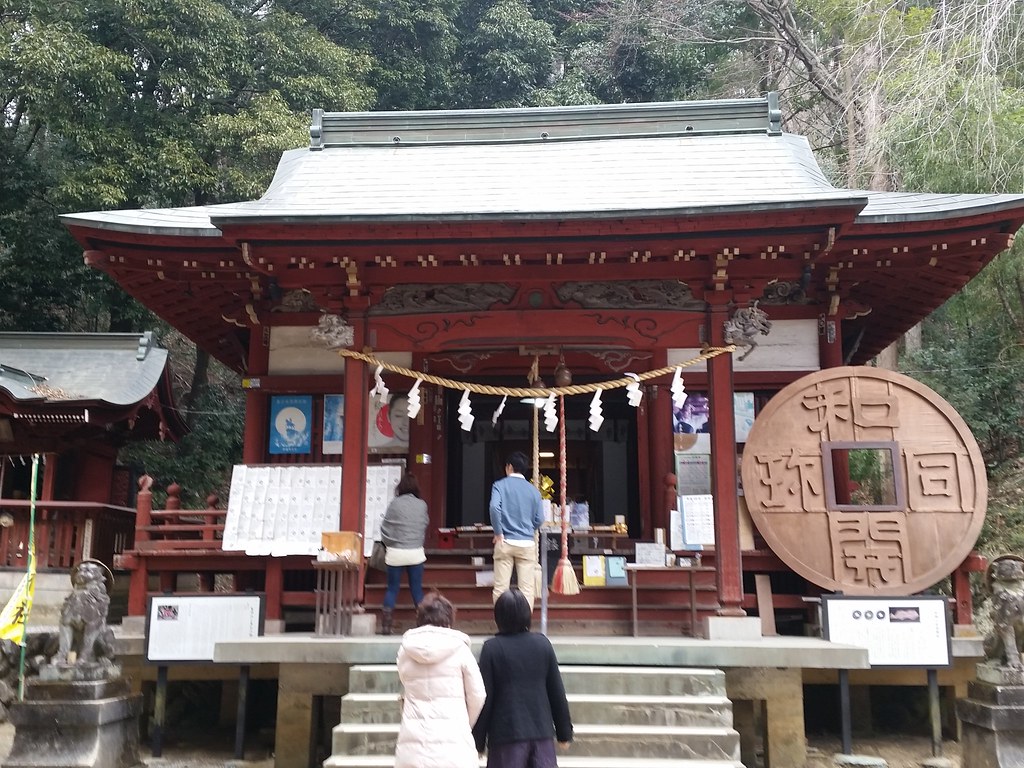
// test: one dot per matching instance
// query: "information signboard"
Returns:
(181, 628)
(897, 631)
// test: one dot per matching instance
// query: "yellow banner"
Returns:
(16, 612)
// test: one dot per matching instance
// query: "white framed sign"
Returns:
(182, 628)
(650, 553)
(698, 518)
(897, 631)
(693, 473)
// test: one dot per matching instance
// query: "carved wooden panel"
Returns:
(929, 518)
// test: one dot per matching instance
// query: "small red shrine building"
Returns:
(618, 238)
(75, 399)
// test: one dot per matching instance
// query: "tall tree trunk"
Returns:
(912, 340)
(200, 380)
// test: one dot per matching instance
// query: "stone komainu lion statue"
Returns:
(83, 617)
(1005, 579)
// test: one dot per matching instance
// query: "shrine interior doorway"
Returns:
(601, 466)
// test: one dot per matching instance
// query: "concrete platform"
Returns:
(777, 652)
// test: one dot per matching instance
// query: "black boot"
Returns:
(386, 620)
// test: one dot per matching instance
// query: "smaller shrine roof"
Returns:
(890, 207)
(119, 369)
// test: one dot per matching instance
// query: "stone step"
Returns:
(622, 741)
(612, 709)
(636, 681)
(564, 761)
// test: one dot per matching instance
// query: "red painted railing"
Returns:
(67, 532)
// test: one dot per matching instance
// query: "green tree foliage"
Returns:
(973, 356)
(509, 55)
(412, 47)
(201, 463)
(960, 102)
(642, 50)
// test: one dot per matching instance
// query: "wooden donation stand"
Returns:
(337, 596)
(337, 582)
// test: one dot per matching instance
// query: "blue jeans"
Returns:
(415, 575)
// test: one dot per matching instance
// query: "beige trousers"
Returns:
(524, 559)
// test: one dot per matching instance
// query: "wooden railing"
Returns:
(66, 532)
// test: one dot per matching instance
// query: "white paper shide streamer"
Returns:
(380, 392)
(633, 392)
(414, 399)
(465, 412)
(678, 389)
(550, 416)
(500, 409)
(596, 412)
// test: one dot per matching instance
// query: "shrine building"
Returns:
(74, 399)
(610, 239)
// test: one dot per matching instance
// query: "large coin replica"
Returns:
(803, 478)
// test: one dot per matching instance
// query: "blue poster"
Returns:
(291, 423)
(334, 424)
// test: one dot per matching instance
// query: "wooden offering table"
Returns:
(593, 540)
(633, 571)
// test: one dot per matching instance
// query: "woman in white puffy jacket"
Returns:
(443, 691)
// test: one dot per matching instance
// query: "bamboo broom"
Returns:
(564, 581)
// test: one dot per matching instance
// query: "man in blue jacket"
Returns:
(516, 516)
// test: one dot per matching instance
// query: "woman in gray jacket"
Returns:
(403, 530)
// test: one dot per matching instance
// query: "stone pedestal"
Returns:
(76, 723)
(992, 717)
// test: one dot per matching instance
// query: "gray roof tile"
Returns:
(114, 368)
(448, 173)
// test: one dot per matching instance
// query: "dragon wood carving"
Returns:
(743, 328)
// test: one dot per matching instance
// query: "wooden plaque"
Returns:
(839, 525)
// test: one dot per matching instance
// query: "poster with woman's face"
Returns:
(389, 426)
(690, 424)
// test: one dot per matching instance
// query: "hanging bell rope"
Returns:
(534, 378)
(564, 581)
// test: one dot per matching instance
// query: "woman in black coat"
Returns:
(526, 708)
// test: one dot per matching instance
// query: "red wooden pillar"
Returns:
(421, 446)
(47, 517)
(963, 607)
(728, 561)
(169, 579)
(434, 422)
(353, 460)
(254, 440)
(643, 460)
(661, 458)
(138, 583)
(830, 341)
